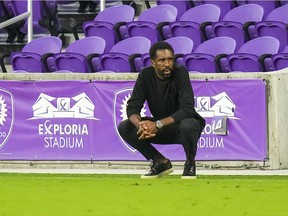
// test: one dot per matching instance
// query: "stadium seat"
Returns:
(275, 25)
(182, 6)
(236, 23)
(279, 61)
(251, 55)
(108, 24)
(193, 23)
(181, 45)
(267, 5)
(80, 55)
(224, 6)
(125, 55)
(153, 23)
(13, 31)
(35, 57)
(205, 57)
(44, 17)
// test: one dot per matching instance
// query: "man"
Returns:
(167, 89)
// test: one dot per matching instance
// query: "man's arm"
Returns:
(135, 120)
(167, 121)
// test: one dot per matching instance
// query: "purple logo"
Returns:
(6, 115)
(120, 103)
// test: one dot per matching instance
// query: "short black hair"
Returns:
(161, 45)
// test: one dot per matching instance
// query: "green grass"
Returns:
(69, 195)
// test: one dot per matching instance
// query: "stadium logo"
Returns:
(120, 103)
(222, 106)
(6, 116)
(219, 107)
(82, 107)
(59, 133)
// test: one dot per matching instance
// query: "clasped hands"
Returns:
(147, 129)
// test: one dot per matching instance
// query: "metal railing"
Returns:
(20, 17)
(29, 15)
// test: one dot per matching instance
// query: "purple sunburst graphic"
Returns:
(6, 116)
(120, 103)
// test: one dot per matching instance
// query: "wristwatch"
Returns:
(159, 124)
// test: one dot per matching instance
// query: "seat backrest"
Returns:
(216, 46)
(121, 58)
(87, 45)
(245, 13)
(274, 29)
(285, 50)
(224, 6)
(260, 46)
(181, 45)
(115, 14)
(202, 13)
(182, 6)
(233, 23)
(267, 5)
(279, 14)
(251, 55)
(47, 44)
(132, 45)
(159, 13)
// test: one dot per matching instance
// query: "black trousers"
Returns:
(186, 132)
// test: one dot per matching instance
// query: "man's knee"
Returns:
(190, 124)
(125, 127)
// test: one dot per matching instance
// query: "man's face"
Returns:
(163, 63)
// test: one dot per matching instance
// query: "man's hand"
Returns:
(147, 129)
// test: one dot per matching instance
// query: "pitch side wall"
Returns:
(277, 101)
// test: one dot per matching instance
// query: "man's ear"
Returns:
(152, 63)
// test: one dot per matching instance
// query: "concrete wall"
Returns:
(277, 102)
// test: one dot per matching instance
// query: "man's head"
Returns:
(162, 55)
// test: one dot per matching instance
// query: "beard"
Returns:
(165, 73)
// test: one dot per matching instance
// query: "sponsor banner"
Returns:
(77, 120)
(52, 120)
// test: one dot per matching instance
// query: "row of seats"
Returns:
(224, 5)
(196, 18)
(131, 55)
(199, 23)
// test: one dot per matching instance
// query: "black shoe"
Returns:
(189, 170)
(158, 170)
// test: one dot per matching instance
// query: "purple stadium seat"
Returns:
(224, 6)
(7, 12)
(36, 56)
(205, 57)
(152, 23)
(125, 55)
(80, 55)
(251, 55)
(267, 5)
(109, 24)
(44, 17)
(181, 5)
(275, 25)
(237, 21)
(181, 45)
(193, 22)
(279, 60)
